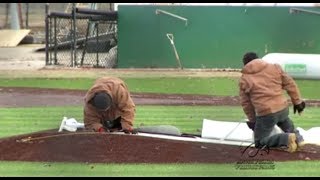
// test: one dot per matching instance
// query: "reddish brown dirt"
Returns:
(28, 97)
(118, 148)
(115, 148)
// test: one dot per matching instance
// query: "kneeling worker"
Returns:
(109, 107)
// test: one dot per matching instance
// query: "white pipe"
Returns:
(292, 10)
(158, 11)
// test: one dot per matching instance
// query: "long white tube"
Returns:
(302, 66)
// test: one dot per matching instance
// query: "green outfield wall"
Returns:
(214, 36)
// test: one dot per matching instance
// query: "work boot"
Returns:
(300, 141)
(292, 145)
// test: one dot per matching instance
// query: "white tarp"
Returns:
(311, 136)
(220, 132)
(72, 125)
(239, 131)
(236, 131)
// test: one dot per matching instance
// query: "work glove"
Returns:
(251, 125)
(130, 131)
(299, 107)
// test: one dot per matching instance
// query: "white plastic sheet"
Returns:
(70, 124)
(239, 131)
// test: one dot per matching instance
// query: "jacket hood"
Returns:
(254, 66)
(95, 89)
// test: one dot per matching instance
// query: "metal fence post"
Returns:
(74, 44)
(97, 46)
(47, 32)
(55, 40)
(27, 15)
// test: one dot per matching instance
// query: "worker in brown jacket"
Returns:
(109, 107)
(261, 94)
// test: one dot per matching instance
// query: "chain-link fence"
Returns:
(93, 44)
(32, 15)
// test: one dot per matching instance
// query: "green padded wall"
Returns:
(215, 36)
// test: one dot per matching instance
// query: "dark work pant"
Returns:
(265, 125)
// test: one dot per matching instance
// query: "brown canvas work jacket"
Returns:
(261, 89)
(122, 104)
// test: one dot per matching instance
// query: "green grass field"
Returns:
(15, 121)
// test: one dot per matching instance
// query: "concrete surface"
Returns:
(22, 57)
